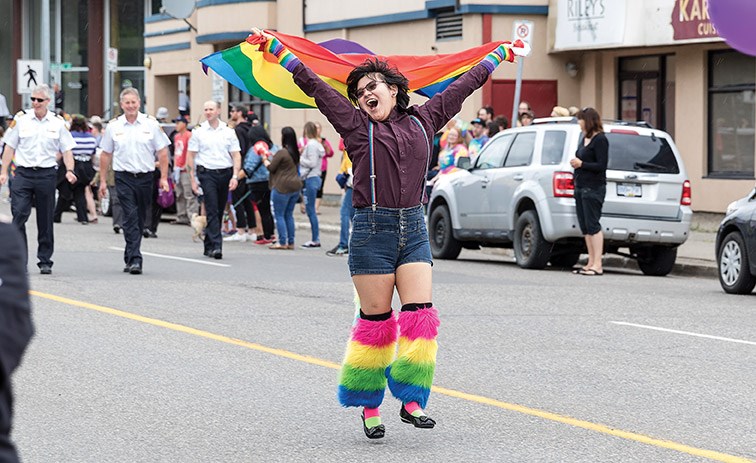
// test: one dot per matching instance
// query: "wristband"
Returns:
(286, 58)
(70, 170)
(493, 59)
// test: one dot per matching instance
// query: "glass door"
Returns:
(643, 86)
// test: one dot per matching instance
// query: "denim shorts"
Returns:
(384, 239)
(588, 204)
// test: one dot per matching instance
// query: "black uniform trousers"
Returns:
(214, 184)
(16, 327)
(261, 196)
(84, 171)
(245, 213)
(35, 187)
(134, 193)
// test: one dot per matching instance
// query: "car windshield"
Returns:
(640, 153)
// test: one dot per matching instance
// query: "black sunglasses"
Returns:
(369, 87)
(38, 100)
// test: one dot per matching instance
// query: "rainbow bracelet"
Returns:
(286, 58)
(493, 59)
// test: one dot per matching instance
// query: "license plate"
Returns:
(630, 190)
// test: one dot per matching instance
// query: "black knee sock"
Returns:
(376, 318)
(416, 306)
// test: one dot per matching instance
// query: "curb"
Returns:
(683, 266)
(689, 267)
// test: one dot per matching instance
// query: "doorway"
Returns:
(647, 91)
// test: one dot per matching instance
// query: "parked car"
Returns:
(518, 193)
(736, 246)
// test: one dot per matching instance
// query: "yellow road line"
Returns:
(711, 454)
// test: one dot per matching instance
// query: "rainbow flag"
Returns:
(258, 73)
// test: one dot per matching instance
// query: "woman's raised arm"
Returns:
(339, 111)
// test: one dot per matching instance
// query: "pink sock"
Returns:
(412, 408)
(371, 413)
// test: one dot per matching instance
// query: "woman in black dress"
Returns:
(590, 186)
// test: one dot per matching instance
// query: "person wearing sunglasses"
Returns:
(389, 142)
(37, 138)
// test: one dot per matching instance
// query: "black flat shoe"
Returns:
(376, 432)
(425, 422)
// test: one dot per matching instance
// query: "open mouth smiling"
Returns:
(371, 102)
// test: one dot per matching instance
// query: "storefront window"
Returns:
(74, 39)
(76, 91)
(127, 36)
(646, 91)
(732, 83)
(127, 31)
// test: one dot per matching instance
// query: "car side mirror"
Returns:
(463, 162)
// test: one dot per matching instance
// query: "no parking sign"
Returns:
(523, 30)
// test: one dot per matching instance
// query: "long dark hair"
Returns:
(257, 133)
(592, 120)
(391, 76)
(289, 143)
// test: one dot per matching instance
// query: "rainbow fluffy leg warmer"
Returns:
(370, 350)
(411, 375)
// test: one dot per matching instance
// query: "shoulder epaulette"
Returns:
(113, 120)
(19, 114)
(151, 117)
(60, 117)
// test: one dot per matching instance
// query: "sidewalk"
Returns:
(695, 257)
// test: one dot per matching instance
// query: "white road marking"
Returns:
(184, 259)
(687, 333)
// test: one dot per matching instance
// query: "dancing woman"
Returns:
(390, 146)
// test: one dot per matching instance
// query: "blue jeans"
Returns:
(311, 187)
(347, 212)
(283, 210)
(385, 239)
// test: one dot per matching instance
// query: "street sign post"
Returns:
(522, 30)
(111, 61)
(28, 75)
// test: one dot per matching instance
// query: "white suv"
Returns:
(518, 193)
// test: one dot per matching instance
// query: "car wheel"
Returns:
(564, 259)
(656, 260)
(442, 242)
(734, 270)
(530, 247)
(107, 211)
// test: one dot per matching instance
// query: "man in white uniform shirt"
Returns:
(214, 149)
(131, 142)
(36, 139)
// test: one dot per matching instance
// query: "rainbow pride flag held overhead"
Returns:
(258, 73)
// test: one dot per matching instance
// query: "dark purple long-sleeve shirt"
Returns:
(400, 148)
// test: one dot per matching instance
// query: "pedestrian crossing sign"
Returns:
(28, 75)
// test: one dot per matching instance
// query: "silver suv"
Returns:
(518, 193)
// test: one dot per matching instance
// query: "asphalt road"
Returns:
(195, 362)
